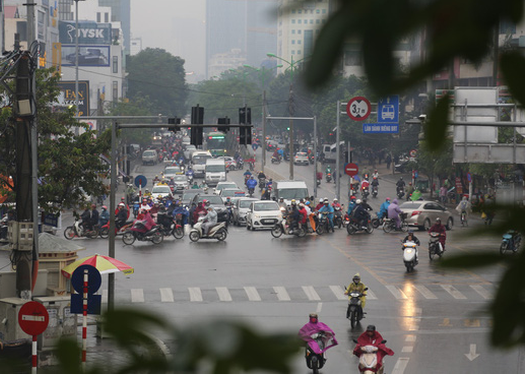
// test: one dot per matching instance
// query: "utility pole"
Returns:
(290, 133)
(263, 162)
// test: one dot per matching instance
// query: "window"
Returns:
(115, 64)
(324, 11)
(299, 21)
(293, 51)
(317, 21)
(115, 90)
(308, 42)
(318, 11)
(298, 51)
(293, 21)
(106, 17)
(293, 32)
(300, 11)
(299, 31)
(293, 11)
(311, 22)
(298, 42)
(293, 41)
(98, 17)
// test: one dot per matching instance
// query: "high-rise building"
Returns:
(121, 12)
(244, 26)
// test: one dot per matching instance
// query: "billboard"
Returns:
(88, 55)
(89, 32)
(67, 96)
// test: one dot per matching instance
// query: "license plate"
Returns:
(268, 221)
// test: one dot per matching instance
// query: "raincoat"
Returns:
(306, 332)
(375, 340)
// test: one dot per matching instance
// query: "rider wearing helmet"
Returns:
(251, 183)
(411, 238)
(383, 210)
(371, 337)
(326, 208)
(104, 216)
(356, 286)
(360, 214)
(439, 228)
(335, 204)
(313, 327)
(351, 206)
(210, 218)
(295, 215)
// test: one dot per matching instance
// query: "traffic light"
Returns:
(223, 121)
(174, 121)
(197, 118)
(245, 115)
(245, 135)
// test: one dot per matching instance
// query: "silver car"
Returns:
(241, 207)
(181, 183)
(423, 213)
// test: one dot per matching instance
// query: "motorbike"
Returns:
(240, 163)
(251, 190)
(276, 160)
(323, 223)
(169, 226)
(338, 216)
(354, 312)
(262, 183)
(353, 226)
(320, 342)
(139, 232)
(318, 182)
(378, 221)
(353, 190)
(78, 231)
(400, 192)
(328, 177)
(219, 231)
(410, 255)
(375, 190)
(370, 360)
(365, 192)
(104, 229)
(283, 227)
(390, 225)
(511, 242)
(435, 248)
(463, 218)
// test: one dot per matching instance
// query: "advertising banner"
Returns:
(67, 95)
(89, 32)
(88, 55)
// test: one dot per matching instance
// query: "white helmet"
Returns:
(335, 199)
(358, 201)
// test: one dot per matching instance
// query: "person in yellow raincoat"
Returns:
(357, 286)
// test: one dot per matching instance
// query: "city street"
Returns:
(275, 283)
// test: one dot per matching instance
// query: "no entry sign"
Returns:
(351, 169)
(33, 318)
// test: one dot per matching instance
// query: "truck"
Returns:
(329, 151)
(289, 190)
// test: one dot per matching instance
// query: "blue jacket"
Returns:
(383, 210)
(251, 183)
(351, 206)
(327, 208)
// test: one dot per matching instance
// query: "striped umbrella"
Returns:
(103, 264)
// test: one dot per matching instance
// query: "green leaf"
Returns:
(471, 260)
(436, 124)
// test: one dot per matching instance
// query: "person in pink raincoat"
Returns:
(309, 331)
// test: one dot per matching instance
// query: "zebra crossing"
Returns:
(329, 293)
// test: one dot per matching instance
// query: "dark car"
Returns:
(216, 202)
(189, 194)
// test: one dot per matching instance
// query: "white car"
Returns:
(171, 171)
(232, 193)
(221, 185)
(230, 162)
(263, 214)
(162, 190)
(181, 183)
(301, 158)
(188, 151)
(240, 209)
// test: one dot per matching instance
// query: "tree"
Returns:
(159, 76)
(69, 166)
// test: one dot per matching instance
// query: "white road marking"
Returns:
(453, 291)
(195, 294)
(401, 365)
(311, 293)
(252, 293)
(370, 295)
(224, 294)
(482, 291)
(282, 294)
(427, 294)
(407, 349)
(339, 292)
(398, 294)
(166, 295)
(410, 338)
(137, 295)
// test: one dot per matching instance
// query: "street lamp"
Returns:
(292, 65)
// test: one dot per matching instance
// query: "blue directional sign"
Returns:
(388, 109)
(141, 181)
(380, 128)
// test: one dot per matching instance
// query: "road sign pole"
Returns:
(337, 150)
(34, 358)
(315, 157)
(84, 319)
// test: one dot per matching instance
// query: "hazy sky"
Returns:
(174, 25)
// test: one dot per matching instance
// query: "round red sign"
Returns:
(351, 169)
(33, 318)
(358, 108)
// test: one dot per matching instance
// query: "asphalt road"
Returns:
(433, 318)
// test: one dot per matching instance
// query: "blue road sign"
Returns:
(388, 109)
(469, 177)
(141, 181)
(380, 128)
(94, 282)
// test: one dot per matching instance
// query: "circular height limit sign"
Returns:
(358, 108)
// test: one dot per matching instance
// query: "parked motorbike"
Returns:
(78, 231)
(511, 242)
(323, 223)
(283, 227)
(390, 225)
(338, 217)
(353, 226)
(400, 192)
(311, 159)
(375, 191)
(219, 231)
(139, 232)
(410, 255)
(435, 248)
(354, 312)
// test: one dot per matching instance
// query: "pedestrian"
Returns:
(388, 161)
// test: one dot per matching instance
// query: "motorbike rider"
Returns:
(210, 219)
(440, 229)
(104, 216)
(409, 190)
(335, 204)
(330, 210)
(328, 170)
(261, 175)
(199, 211)
(356, 286)
(294, 215)
(383, 210)
(312, 327)
(365, 205)
(179, 209)
(229, 207)
(375, 183)
(365, 184)
(351, 206)
(195, 185)
(144, 204)
(86, 219)
(371, 337)
(282, 203)
(145, 223)
(360, 214)
(393, 213)
(303, 218)
(122, 216)
(464, 206)
(94, 215)
(162, 217)
(251, 183)
(411, 238)
(375, 174)
(400, 183)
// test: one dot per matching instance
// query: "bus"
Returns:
(216, 143)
